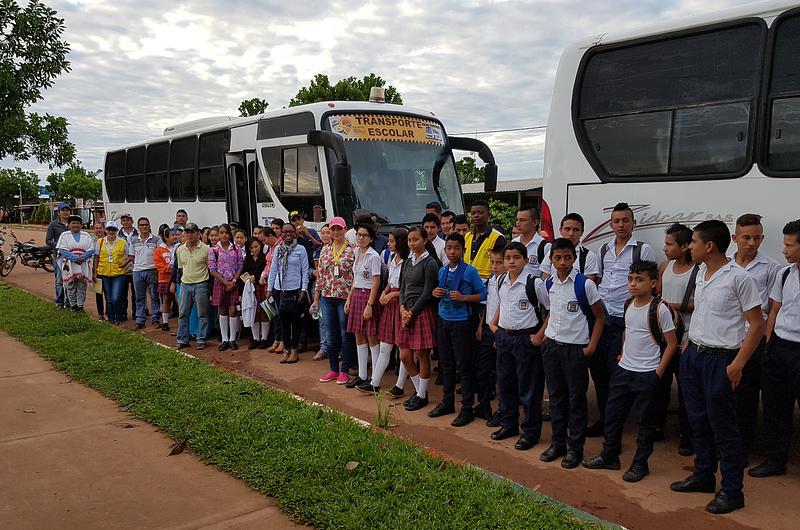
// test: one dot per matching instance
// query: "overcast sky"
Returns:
(139, 66)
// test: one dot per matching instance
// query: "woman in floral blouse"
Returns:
(225, 264)
(333, 287)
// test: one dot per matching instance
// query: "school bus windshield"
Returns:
(394, 160)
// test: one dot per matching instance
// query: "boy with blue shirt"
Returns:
(460, 285)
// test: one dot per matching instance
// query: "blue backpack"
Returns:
(580, 295)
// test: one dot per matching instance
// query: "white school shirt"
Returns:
(532, 267)
(614, 287)
(640, 353)
(787, 325)
(492, 299)
(438, 244)
(516, 311)
(366, 268)
(567, 322)
(719, 306)
(763, 270)
(394, 272)
(590, 267)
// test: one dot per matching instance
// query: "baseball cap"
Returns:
(338, 221)
(112, 225)
(64, 206)
(191, 227)
(123, 216)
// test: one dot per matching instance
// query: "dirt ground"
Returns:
(648, 505)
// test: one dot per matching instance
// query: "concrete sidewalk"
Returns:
(69, 458)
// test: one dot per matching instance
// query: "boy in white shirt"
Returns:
(639, 373)
(781, 368)
(572, 333)
(748, 236)
(431, 224)
(537, 247)
(586, 263)
(711, 366)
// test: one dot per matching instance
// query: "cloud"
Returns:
(139, 66)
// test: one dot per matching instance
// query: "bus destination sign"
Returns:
(387, 127)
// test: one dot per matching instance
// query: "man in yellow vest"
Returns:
(482, 239)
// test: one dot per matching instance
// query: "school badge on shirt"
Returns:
(533, 260)
(365, 274)
(523, 304)
(572, 306)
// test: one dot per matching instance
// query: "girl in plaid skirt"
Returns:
(254, 264)
(389, 328)
(225, 264)
(363, 314)
(418, 279)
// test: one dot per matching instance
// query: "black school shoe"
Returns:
(553, 453)
(263, 344)
(417, 403)
(253, 345)
(572, 459)
(234, 346)
(396, 392)
(636, 472)
(223, 346)
(354, 382)
(768, 468)
(724, 503)
(442, 409)
(525, 442)
(465, 417)
(367, 388)
(693, 484)
(165, 327)
(599, 462)
(504, 432)
(494, 421)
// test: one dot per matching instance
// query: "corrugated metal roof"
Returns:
(504, 186)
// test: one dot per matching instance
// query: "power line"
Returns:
(503, 130)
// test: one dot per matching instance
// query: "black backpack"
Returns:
(636, 258)
(655, 327)
(530, 294)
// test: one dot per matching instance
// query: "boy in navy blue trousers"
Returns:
(711, 366)
(460, 286)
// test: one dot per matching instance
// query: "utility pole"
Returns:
(21, 219)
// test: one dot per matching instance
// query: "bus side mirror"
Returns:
(342, 180)
(342, 173)
(490, 183)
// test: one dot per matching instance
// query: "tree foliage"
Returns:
(32, 56)
(348, 89)
(252, 107)
(502, 214)
(468, 172)
(75, 183)
(10, 182)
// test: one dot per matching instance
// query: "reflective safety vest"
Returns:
(482, 260)
(110, 267)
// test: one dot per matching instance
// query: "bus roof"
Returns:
(765, 9)
(318, 109)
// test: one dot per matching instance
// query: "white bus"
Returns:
(687, 121)
(322, 160)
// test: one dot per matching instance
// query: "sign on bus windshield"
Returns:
(387, 127)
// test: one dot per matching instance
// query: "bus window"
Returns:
(784, 98)
(183, 153)
(677, 107)
(301, 189)
(156, 176)
(262, 193)
(134, 175)
(211, 166)
(114, 176)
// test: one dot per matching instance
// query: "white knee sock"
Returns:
(423, 388)
(165, 318)
(264, 330)
(379, 365)
(233, 323)
(415, 381)
(223, 328)
(363, 359)
(255, 329)
(402, 375)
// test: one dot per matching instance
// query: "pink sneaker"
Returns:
(343, 378)
(330, 376)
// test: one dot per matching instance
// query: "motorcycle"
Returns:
(34, 256)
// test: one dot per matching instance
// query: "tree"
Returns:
(468, 172)
(348, 89)
(10, 182)
(76, 183)
(252, 107)
(502, 214)
(32, 55)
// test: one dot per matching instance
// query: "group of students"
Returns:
(514, 318)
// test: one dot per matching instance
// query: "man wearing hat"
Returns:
(54, 230)
(126, 232)
(75, 249)
(191, 259)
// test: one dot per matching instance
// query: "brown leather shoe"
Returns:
(293, 357)
(286, 356)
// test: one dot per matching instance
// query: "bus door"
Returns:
(241, 199)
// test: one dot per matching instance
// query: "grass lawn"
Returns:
(291, 451)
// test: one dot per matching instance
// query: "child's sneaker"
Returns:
(330, 376)
(343, 378)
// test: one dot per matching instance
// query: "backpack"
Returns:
(386, 255)
(687, 295)
(637, 254)
(582, 253)
(530, 294)
(580, 295)
(458, 276)
(785, 276)
(655, 327)
(540, 250)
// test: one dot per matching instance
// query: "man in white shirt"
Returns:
(586, 262)
(145, 276)
(781, 369)
(538, 248)
(711, 366)
(616, 258)
(748, 236)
